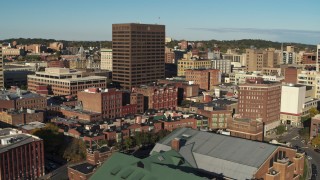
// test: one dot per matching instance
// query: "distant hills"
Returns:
(247, 43)
(222, 45)
(104, 44)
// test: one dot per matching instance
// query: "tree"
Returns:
(52, 138)
(313, 111)
(280, 129)
(128, 142)
(76, 151)
(316, 141)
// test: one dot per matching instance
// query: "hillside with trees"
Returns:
(222, 45)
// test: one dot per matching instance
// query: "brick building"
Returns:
(205, 78)
(110, 102)
(81, 171)
(21, 155)
(309, 58)
(260, 101)
(158, 96)
(21, 117)
(63, 81)
(246, 128)
(315, 127)
(291, 75)
(19, 99)
(185, 90)
(96, 157)
(80, 114)
(169, 56)
(58, 64)
(137, 99)
(217, 118)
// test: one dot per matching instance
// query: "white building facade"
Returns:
(106, 59)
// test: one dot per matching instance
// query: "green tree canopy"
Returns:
(76, 152)
(52, 138)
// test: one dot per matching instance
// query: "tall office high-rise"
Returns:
(138, 53)
(1, 68)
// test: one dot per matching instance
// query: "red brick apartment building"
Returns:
(158, 96)
(108, 102)
(260, 101)
(21, 155)
(206, 78)
(17, 99)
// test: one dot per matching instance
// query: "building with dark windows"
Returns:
(21, 155)
(158, 96)
(138, 52)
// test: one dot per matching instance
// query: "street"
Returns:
(292, 136)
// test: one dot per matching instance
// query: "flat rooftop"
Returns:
(84, 168)
(87, 78)
(13, 95)
(14, 139)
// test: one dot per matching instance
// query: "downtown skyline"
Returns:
(204, 20)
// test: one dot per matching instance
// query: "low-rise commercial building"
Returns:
(19, 99)
(246, 128)
(18, 117)
(63, 81)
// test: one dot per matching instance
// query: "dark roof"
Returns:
(84, 168)
(12, 95)
(219, 104)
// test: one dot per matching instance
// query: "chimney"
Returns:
(175, 144)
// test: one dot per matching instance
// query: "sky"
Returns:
(275, 20)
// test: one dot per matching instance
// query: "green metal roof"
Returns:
(164, 165)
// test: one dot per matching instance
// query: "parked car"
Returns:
(317, 150)
(309, 157)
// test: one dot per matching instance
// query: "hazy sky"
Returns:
(276, 20)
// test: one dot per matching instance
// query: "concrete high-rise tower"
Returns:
(138, 52)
